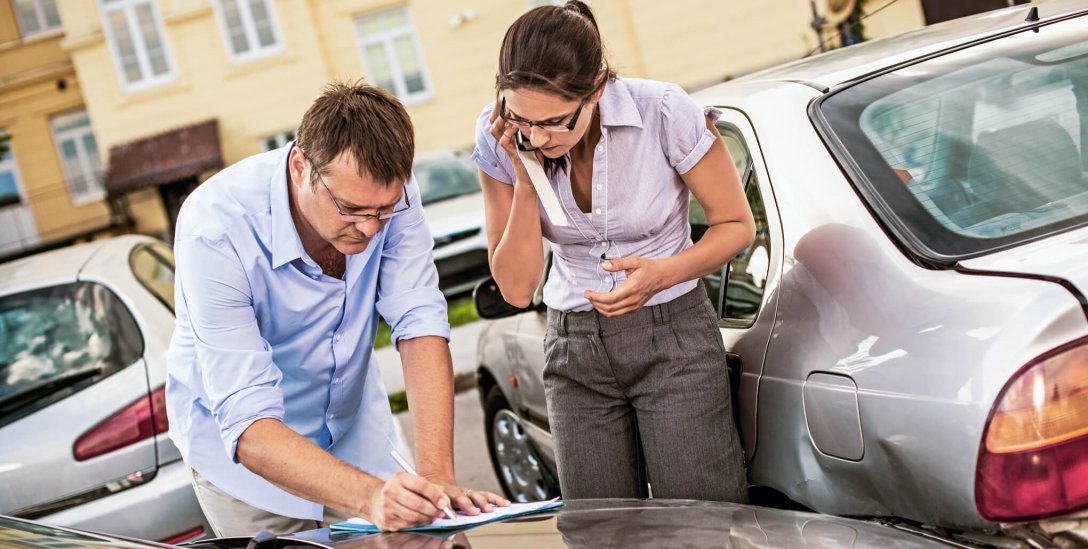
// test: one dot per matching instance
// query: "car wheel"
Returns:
(517, 465)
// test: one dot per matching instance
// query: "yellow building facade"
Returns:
(50, 180)
(146, 68)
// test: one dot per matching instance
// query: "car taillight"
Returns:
(185, 536)
(1033, 462)
(138, 421)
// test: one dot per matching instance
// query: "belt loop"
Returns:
(665, 316)
(562, 328)
(655, 311)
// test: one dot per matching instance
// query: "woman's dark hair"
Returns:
(553, 49)
(556, 50)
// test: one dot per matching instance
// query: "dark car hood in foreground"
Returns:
(599, 524)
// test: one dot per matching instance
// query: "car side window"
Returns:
(54, 340)
(748, 271)
(153, 266)
(746, 275)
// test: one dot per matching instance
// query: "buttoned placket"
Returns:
(601, 204)
(340, 355)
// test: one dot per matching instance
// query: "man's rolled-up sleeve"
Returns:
(408, 296)
(239, 381)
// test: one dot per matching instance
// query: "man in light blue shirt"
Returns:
(272, 392)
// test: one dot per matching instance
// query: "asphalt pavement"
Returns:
(471, 462)
(462, 349)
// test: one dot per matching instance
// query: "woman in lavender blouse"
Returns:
(636, 376)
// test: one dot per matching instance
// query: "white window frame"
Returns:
(281, 139)
(386, 38)
(256, 51)
(16, 218)
(147, 80)
(9, 165)
(96, 191)
(39, 13)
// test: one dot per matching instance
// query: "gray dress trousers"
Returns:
(643, 397)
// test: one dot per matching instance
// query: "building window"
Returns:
(79, 157)
(9, 183)
(135, 34)
(278, 140)
(36, 16)
(392, 56)
(249, 28)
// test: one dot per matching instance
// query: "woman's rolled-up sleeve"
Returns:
(488, 154)
(684, 135)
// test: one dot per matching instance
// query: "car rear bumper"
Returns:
(159, 510)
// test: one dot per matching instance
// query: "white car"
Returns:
(454, 206)
(83, 428)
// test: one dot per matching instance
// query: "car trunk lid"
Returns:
(1062, 259)
(38, 470)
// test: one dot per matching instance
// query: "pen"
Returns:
(408, 468)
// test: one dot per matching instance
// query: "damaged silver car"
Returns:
(908, 334)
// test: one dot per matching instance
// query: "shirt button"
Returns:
(598, 211)
(599, 186)
(337, 380)
(315, 277)
(600, 148)
(331, 415)
(337, 337)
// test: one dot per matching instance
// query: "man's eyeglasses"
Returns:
(360, 217)
(555, 125)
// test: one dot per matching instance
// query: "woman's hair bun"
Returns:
(581, 8)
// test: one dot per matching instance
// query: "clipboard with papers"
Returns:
(461, 521)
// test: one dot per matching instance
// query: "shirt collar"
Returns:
(617, 106)
(286, 245)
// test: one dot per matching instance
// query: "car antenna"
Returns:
(1033, 15)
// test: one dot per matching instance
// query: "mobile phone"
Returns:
(523, 142)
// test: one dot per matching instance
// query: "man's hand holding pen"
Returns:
(406, 501)
(409, 500)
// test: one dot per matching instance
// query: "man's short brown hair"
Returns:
(368, 123)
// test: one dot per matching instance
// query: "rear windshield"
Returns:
(978, 149)
(57, 340)
(445, 179)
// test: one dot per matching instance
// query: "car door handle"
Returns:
(733, 365)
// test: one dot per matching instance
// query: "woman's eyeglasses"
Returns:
(554, 125)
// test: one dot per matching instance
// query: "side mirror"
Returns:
(489, 302)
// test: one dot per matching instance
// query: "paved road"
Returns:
(471, 463)
(462, 348)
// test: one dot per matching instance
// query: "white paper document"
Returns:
(544, 191)
(462, 521)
